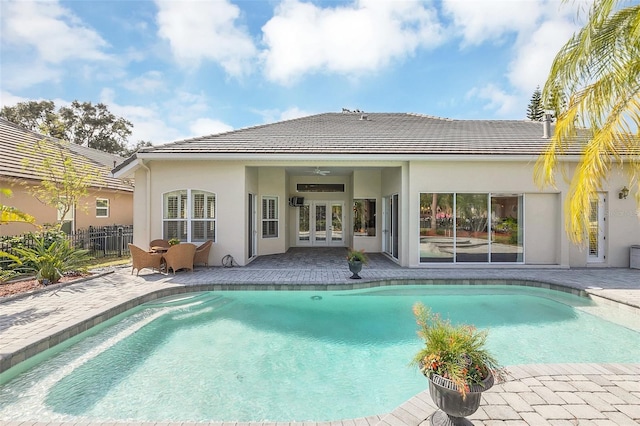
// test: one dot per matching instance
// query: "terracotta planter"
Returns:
(355, 266)
(453, 408)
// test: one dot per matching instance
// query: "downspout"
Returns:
(147, 198)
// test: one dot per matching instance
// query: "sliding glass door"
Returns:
(470, 228)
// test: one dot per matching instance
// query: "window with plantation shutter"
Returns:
(269, 217)
(189, 215)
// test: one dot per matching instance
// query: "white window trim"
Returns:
(188, 213)
(107, 208)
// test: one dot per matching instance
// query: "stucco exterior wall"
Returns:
(225, 179)
(545, 241)
(622, 225)
(367, 184)
(543, 235)
(273, 184)
(542, 211)
(120, 208)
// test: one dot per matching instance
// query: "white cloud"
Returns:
(498, 101)
(16, 76)
(148, 122)
(535, 53)
(292, 113)
(207, 126)
(53, 31)
(479, 21)
(206, 30)
(149, 82)
(275, 115)
(9, 99)
(361, 37)
(539, 29)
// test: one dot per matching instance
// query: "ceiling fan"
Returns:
(320, 172)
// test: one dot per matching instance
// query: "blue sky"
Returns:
(184, 68)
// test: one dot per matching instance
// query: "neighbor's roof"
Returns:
(18, 143)
(366, 133)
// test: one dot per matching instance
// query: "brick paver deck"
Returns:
(564, 394)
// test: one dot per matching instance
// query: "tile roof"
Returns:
(17, 143)
(372, 133)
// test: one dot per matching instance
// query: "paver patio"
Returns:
(563, 394)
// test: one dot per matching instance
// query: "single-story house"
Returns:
(427, 191)
(109, 200)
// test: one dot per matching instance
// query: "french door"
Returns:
(321, 223)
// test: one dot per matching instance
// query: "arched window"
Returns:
(189, 215)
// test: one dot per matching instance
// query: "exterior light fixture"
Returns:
(623, 193)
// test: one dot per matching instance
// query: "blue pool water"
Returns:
(284, 356)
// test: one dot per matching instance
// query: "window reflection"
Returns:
(364, 217)
(507, 232)
(436, 227)
(476, 228)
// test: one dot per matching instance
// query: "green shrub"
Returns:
(455, 352)
(50, 260)
(6, 270)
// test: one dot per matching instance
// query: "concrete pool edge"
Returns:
(57, 336)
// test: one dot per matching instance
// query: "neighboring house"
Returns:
(109, 201)
(427, 191)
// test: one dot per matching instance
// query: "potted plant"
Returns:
(456, 362)
(356, 259)
(174, 241)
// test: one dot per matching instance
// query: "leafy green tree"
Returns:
(598, 73)
(82, 123)
(141, 144)
(64, 181)
(95, 126)
(39, 117)
(535, 112)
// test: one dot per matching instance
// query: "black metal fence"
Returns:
(101, 241)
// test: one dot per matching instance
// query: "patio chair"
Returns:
(143, 259)
(180, 256)
(202, 253)
(159, 243)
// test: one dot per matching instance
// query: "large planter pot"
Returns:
(355, 266)
(454, 408)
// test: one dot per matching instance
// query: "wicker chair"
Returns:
(202, 253)
(159, 243)
(180, 256)
(143, 259)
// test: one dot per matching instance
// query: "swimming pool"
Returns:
(284, 356)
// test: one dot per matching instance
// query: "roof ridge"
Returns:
(435, 117)
(229, 132)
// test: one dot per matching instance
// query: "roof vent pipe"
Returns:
(546, 125)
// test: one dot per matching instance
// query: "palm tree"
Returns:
(598, 72)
